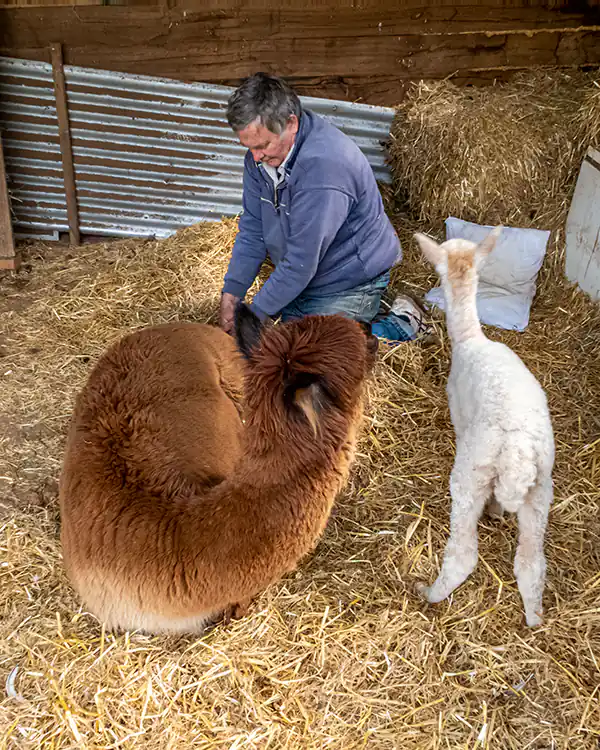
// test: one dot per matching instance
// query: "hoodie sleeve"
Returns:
(316, 217)
(249, 250)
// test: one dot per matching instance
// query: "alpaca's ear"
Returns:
(305, 391)
(372, 342)
(486, 245)
(365, 326)
(248, 329)
(310, 401)
(430, 249)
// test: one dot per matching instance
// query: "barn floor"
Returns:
(341, 654)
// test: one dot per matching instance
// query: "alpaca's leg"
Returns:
(237, 611)
(469, 490)
(241, 608)
(530, 561)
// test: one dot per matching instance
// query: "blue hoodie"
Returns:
(323, 226)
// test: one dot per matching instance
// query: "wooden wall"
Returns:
(365, 51)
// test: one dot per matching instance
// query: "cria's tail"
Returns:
(517, 472)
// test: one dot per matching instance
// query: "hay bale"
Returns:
(587, 118)
(503, 154)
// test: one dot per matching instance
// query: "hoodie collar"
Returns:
(304, 128)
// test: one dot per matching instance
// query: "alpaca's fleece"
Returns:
(500, 416)
(174, 509)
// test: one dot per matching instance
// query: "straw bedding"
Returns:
(341, 654)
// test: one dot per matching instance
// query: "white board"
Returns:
(583, 228)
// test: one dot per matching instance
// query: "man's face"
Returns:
(266, 146)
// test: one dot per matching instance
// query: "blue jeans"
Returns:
(359, 303)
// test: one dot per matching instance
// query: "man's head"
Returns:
(265, 112)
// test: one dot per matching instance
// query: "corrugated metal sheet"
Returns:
(151, 155)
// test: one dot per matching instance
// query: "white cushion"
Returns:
(507, 280)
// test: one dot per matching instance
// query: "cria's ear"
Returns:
(305, 392)
(248, 329)
(486, 245)
(430, 249)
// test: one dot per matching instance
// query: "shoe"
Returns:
(393, 328)
(409, 309)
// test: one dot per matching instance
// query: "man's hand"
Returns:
(227, 312)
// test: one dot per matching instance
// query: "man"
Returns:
(311, 202)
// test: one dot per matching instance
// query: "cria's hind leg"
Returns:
(469, 490)
(530, 561)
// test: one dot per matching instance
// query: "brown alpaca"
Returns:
(174, 511)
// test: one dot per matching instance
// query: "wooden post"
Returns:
(62, 113)
(8, 256)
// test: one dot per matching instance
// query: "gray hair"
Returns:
(265, 98)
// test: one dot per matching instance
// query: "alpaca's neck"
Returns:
(288, 464)
(296, 478)
(462, 319)
(268, 514)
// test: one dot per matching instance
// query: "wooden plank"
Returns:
(406, 57)
(117, 26)
(386, 91)
(582, 235)
(189, 52)
(62, 114)
(369, 52)
(48, 3)
(9, 259)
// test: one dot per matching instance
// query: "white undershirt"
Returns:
(276, 173)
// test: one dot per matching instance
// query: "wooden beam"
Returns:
(9, 259)
(66, 152)
(381, 44)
